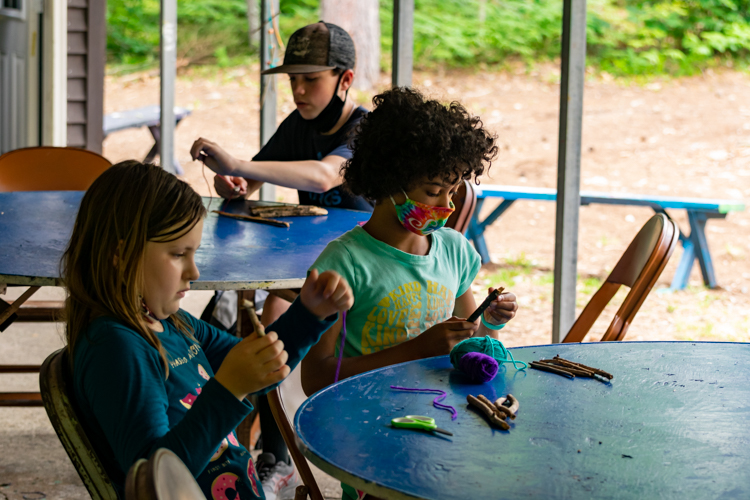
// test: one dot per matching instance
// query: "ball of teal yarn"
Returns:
(486, 346)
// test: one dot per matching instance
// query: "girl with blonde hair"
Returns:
(148, 375)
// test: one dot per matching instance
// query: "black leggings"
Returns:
(273, 442)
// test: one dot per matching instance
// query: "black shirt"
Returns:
(296, 140)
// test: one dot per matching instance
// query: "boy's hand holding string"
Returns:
(214, 157)
(259, 361)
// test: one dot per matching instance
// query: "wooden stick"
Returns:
(287, 211)
(257, 325)
(489, 411)
(571, 369)
(250, 218)
(551, 369)
(590, 368)
(510, 410)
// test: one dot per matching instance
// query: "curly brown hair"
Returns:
(407, 138)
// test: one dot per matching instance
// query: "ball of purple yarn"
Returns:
(478, 366)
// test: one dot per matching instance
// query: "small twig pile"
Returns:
(496, 412)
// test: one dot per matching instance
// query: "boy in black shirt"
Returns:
(310, 145)
(305, 153)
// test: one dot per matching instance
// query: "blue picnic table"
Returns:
(694, 244)
(672, 423)
(234, 255)
(147, 116)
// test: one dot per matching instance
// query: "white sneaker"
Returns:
(279, 479)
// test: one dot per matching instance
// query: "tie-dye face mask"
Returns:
(422, 219)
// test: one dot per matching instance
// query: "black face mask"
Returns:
(331, 113)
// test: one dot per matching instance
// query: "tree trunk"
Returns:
(362, 20)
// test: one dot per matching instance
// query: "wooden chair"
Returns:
(465, 201)
(54, 381)
(47, 168)
(245, 328)
(638, 268)
(161, 477)
(41, 169)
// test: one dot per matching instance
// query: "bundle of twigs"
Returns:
(570, 369)
(287, 211)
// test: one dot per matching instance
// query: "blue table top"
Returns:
(36, 226)
(673, 423)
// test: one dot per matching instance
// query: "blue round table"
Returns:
(673, 423)
(234, 254)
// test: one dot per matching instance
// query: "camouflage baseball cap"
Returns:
(317, 47)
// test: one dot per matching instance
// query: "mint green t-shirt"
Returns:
(398, 295)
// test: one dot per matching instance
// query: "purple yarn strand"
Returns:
(435, 402)
(341, 347)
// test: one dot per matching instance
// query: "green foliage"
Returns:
(459, 32)
(206, 28)
(624, 37)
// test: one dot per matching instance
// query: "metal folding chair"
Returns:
(54, 381)
(41, 169)
(638, 268)
(48, 168)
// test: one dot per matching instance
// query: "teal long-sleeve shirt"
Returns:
(131, 410)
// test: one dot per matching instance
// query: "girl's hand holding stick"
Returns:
(254, 364)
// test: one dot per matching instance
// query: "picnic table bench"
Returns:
(148, 116)
(695, 244)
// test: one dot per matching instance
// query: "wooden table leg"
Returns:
(19, 398)
(13, 308)
(279, 414)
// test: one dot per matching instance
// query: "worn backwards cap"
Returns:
(317, 47)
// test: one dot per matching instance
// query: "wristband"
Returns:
(490, 325)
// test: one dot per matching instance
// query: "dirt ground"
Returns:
(684, 137)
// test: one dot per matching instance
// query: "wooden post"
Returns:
(269, 58)
(167, 65)
(403, 43)
(569, 167)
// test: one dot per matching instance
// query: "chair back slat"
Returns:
(61, 412)
(638, 253)
(48, 168)
(641, 289)
(639, 268)
(465, 201)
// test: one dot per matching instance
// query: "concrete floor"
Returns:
(33, 463)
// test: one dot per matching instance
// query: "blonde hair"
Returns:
(102, 267)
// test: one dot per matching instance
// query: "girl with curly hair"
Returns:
(411, 277)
